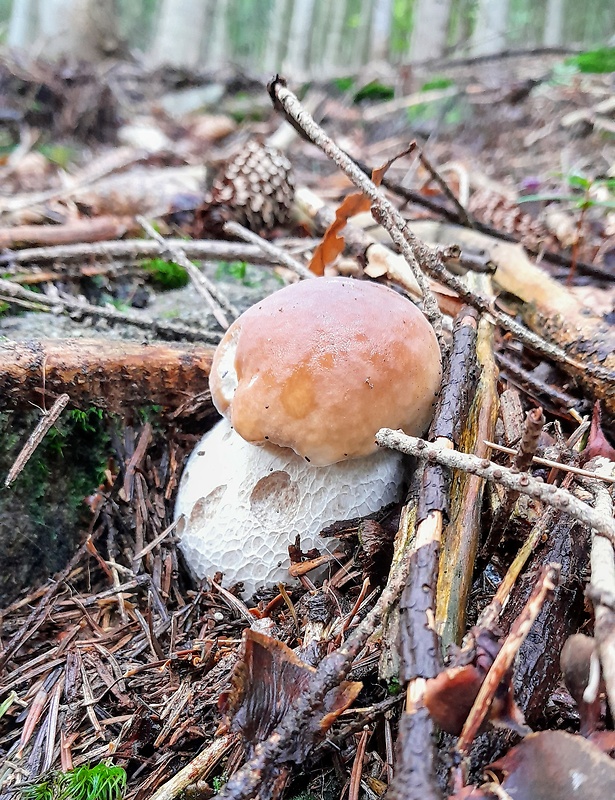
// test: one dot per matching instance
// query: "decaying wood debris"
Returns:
(419, 667)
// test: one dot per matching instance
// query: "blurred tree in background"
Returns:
(305, 38)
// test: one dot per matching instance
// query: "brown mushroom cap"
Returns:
(320, 366)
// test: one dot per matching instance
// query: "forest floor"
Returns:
(123, 657)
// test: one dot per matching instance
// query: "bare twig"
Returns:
(527, 379)
(13, 292)
(273, 252)
(521, 481)
(504, 659)
(463, 214)
(202, 249)
(388, 215)
(547, 462)
(46, 422)
(204, 287)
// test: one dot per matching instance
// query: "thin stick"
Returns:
(602, 561)
(204, 287)
(198, 769)
(521, 481)
(202, 249)
(463, 214)
(46, 422)
(504, 659)
(357, 767)
(270, 250)
(11, 292)
(547, 462)
(389, 216)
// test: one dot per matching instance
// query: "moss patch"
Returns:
(43, 515)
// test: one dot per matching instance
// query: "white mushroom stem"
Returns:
(244, 504)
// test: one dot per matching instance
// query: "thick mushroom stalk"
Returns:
(243, 505)
(305, 378)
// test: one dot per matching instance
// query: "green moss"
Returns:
(601, 60)
(43, 514)
(102, 782)
(165, 274)
(374, 91)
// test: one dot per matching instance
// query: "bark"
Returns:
(462, 534)
(429, 29)
(554, 21)
(382, 19)
(80, 29)
(179, 34)
(114, 375)
(489, 34)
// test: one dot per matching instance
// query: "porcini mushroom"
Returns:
(305, 378)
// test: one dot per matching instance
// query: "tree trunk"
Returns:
(296, 62)
(360, 51)
(273, 53)
(429, 29)
(554, 20)
(179, 33)
(217, 50)
(22, 25)
(489, 34)
(80, 29)
(335, 27)
(382, 21)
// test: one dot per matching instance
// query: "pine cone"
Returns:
(507, 216)
(254, 188)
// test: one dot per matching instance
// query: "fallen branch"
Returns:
(204, 287)
(198, 769)
(46, 422)
(82, 230)
(14, 293)
(138, 248)
(389, 216)
(274, 253)
(518, 481)
(112, 374)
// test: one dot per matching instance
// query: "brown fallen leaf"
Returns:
(597, 443)
(356, 203)
(450, 695)
(265, 684)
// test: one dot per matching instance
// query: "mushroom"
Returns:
(305, 379)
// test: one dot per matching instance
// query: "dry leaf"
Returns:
(356, 203)
(266, 683)
(450, 695)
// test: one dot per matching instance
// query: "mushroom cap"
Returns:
(320, 366)
(243, 505)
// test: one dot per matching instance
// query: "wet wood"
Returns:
(114, 375)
